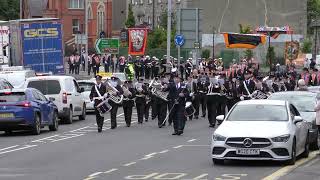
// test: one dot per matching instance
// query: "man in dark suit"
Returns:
(247, 86)
(178, 93)
(97, 97)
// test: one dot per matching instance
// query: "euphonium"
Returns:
(112, 90)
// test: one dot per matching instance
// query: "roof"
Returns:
(50, 77)
(35, 19)
(86, 81)
(293, 93)
(263, 102)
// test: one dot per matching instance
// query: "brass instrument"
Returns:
(157, 90)
(111, 91)
(126, 92)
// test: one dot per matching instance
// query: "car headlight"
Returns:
(283, 138)
(217, 137)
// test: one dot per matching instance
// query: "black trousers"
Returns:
(89, 69)
(196, 104)
(113, 115)
(140, 111)
(179, 118)
(212, 106)
(127, 110)
(146, 111)
(99, 119)
(161, 112)
(147, 72)
(71, 68)
(154, 109)
(203, 103)
(172, 113)
(106, 68)
(77, 68)
(222, 105)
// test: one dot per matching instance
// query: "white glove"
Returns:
(241, 98)
(191, 94)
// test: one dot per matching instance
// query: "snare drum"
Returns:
(104, 107)
(189, 109)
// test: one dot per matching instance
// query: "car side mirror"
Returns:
(81, 90)
(52, 99)
(220, 118)
(297, 119)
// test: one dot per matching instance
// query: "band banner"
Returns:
(137, 41)
(249, 41)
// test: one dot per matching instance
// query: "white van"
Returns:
(66, 93)
(16, 75)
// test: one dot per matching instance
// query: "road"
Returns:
(78, 152)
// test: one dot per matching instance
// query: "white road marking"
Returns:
(73, 131)
(129, 164)
(110, 171)
(164, 151)
(25, 147)
(176, 147)
(151, 154)
(67, 137)
(95, 174)
(191, 140)
(9, 147)
(47, 138)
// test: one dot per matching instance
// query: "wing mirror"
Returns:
(297, 119)
(81, 90)
(52, 99)
(220, 118)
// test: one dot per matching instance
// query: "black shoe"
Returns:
(146, 120)
(175, 133)
(203, 115)
(113, 127)
(128, 125)
(196, 117)
(180, 133)
(160, 126)
(212, 125)
(99, 129)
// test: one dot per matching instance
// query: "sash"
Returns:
(97, 91)
(245, 86)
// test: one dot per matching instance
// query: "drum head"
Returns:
(188, 104)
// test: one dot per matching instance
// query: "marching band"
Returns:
(210, 88)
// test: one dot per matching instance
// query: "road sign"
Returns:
(196, 45)
(80, 39)
(179, 40)
(107, 45)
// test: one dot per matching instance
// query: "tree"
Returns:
(246, 30)
(306, 46)
(271, 55)
(313, 13)
(130, 22)
(205, 53)
(9, 9)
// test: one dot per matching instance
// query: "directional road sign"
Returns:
(179, 40)
(107, 45)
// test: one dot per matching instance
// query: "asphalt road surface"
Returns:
(78, 152)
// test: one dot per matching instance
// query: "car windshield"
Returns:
(303, 102)
(12, 97)
(86, 85)
(46, 86)
(258, 112)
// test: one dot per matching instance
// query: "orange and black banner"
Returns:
(248, 41)
(137, 41)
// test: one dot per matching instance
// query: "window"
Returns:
(90, 16)
(75, 26)
(76, 4)
(35, 95)
(100, 18)
(149, 20)
(76, 85)
(46, 86)
(13, 97)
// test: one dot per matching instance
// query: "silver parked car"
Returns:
(261, 130)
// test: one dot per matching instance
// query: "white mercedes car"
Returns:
(261, 130)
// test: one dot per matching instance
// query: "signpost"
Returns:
(107, 46)
(179, 40)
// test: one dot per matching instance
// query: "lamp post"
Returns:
(213, 36)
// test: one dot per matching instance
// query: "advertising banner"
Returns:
(137, 41)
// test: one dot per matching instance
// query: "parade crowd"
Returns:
(182, 93)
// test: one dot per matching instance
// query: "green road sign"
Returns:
(107, 45)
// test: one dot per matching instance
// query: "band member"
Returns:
(115, 90)
(161, 105)
(194, 95)
(148, 67)
(188, 68)
(213, 100)
(223, 95)
(128, 101)
(247, 86)
(148, 102)
(178, 93)
(97, 96)
(314, 78)
(305, 76)
(137, 67)
(290, 83)
(154, 67)
(234, 93)
(141, 92)
(202, 84)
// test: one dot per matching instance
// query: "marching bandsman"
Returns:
(178, 93)
(305, 76)
(188, 68)
(113, 86)
(234, 93)
(202, 84)
(194, 95)
(128, 101)
(148, 102)
(148, 67)
(314, 77)
(247, 86)
(161, 104)
(97, 93)
(141, 92)
(213, 100)
(290, 83)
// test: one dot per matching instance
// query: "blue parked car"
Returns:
(27, 109)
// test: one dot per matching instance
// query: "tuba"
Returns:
(157, 90)
(126, 92)
(112, 90)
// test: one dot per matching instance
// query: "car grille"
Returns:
(232, 154)
(237, 142)
(218, 150)
(280, 151)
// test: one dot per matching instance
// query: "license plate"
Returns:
(6, 115)
(248, 151)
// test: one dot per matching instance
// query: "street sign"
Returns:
(179, 40)
(196, 45)
(107, 45)
(80, 39)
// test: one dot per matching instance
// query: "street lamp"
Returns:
(213, 35)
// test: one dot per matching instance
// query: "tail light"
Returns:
(24, 104)
(64, 98)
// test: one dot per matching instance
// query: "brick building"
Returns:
(72, 15)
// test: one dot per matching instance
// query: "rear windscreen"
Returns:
(12, 97)
(46, 86)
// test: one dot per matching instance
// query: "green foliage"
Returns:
(205, 53)
(164, 19)
(246, 29)
(228, 56)
(9, 9)
(271, 56)
(248, 54)
(157, 39)
(130, 22)
(313, 9)
(306, 46)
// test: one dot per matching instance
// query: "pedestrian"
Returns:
(97, 93)
(71, 64)
(106, 60)
(77, 64)
(122, 64)
(89, 64)
(114, 63)
(83, 61)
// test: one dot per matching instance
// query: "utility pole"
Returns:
(153, 14)
(86, 29)
(169, 30)
(213, 36)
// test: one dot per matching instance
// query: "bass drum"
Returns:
(104, 107)
(189, 109)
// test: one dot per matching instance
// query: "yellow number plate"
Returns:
(6, 115)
